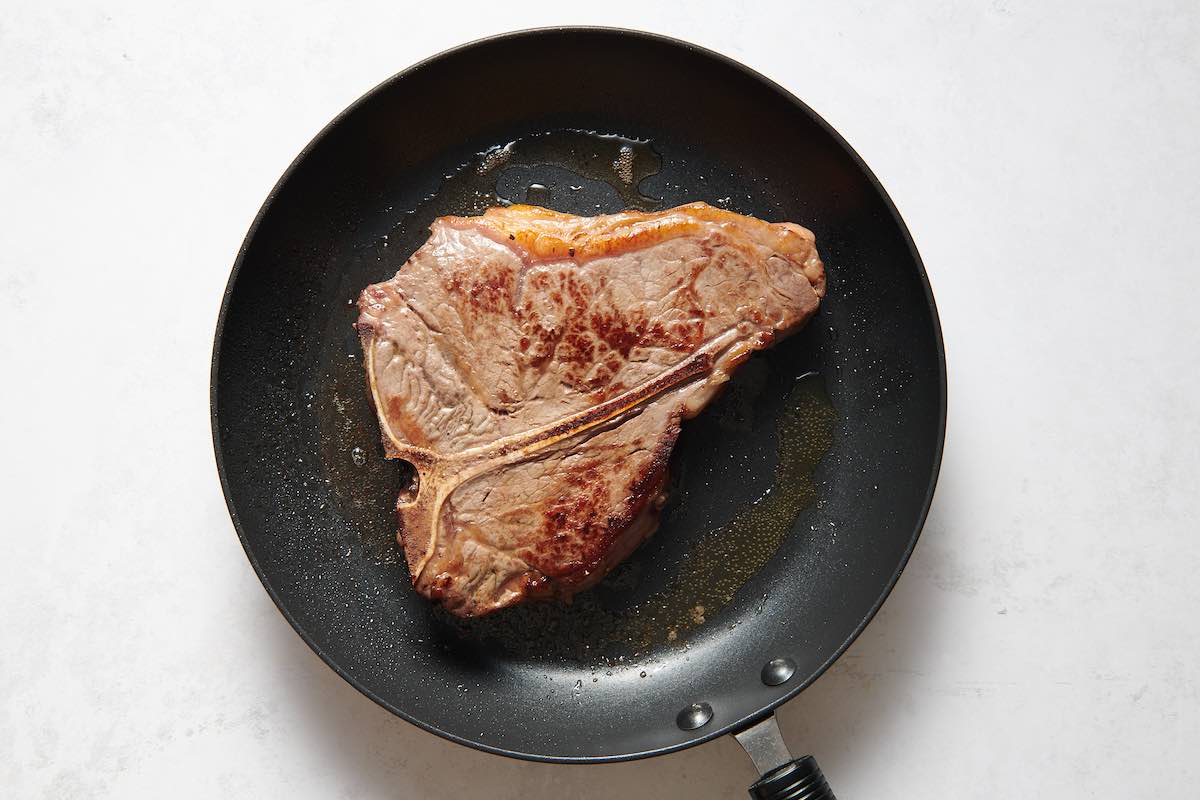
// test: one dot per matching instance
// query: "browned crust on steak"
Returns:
(644, 499)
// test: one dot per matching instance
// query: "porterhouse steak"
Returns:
(534, 368)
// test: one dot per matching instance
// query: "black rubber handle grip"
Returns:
(800, 779)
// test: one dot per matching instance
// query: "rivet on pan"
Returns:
(694, 716)
(777, 671)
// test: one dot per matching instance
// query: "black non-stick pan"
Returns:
(795, 499)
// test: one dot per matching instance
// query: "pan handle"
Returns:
(783, 777)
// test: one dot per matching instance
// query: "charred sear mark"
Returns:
(573, 534)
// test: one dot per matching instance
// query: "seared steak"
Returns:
(534, 368)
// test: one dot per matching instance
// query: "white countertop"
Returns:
(1045, 639)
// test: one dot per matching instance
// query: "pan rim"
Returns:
(660, 39)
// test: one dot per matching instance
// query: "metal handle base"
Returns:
(783, 778)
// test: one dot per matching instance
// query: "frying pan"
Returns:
(311, 496)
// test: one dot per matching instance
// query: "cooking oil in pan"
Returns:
(537, 194)
(727, 557)
(620, 162)
(555, 164)
(364, 485)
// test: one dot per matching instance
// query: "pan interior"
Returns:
(298, 443)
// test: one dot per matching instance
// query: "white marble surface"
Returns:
(1044, 640)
